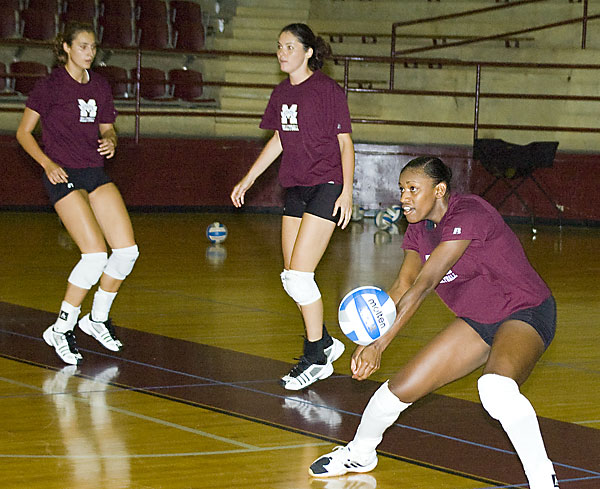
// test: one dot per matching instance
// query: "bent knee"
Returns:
(502, 399)
(405, 390)
(300, 286)
(121, 262)
(88, 270)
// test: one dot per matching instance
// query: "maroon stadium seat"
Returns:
(52, 7)
(116, 31)
(153, 33)
(118, 78)
(121, 8)
(39, 25)
(186, 84)
(32, 70)
(187, 26)
(153, 83)
(10, 23)
(81, 11)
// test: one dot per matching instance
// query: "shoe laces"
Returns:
(109, 326)
(70, 337)
(301, 366)
(111, 329)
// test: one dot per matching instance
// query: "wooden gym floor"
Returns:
(193, 400)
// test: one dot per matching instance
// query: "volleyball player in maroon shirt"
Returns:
(459, 246)
(76, 111)
(309, 114)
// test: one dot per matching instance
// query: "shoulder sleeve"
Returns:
(40, 97)
(271, 118)
(469, 219)
(341, 111)
(107, 113)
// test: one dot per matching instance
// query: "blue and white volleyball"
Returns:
(394, 212)
(216, 232)
(383, 220)
(365, 314)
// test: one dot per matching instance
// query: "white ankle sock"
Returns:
(67, 318)
(102, 303)
(381, 412)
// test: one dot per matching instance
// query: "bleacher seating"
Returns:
(118, 78)
(185, 11)
(10, 23)
(14, 4)
(156, 8)
(3, 80)
(116, 31)
(39, 25)
(153, 32)
(81, 11)
(186, 84)
(153, 83)
(188, 36)
(187, 26)
(122, 8)
(51, 7)
(32, 69)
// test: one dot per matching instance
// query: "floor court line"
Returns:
(77, 396)
(236, 385)
(242, 385)
(166, 455)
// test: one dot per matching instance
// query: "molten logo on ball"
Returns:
(365, 314)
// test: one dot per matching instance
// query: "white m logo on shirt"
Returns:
(289, 115)
(87, 110)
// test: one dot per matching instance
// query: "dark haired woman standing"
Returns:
(76, 110)
(460, 246)
(309, 114)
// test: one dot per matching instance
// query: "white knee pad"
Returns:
(88, 270)
(121, 261)
(300, 286)
(502, 399)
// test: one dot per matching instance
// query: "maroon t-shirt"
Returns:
(493, 278)
(71, 113)
(309, 116)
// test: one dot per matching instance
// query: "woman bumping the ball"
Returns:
(309, 114)
(505, 319)
(76, 110)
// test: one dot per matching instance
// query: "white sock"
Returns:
(381, 412)
(502, 399)
(101, 306)
(67, 318)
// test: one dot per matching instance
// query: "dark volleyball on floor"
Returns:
(366, 313)
(216, 232)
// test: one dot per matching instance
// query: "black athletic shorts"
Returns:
(88, 179)
(542, 318)
(317, 200)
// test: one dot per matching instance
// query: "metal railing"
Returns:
(503, 35)
(477, 94)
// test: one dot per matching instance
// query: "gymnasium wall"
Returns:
(160, 174)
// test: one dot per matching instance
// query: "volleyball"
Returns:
(216, 232)
(365, 314)
(383, 220)
(394, 212)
